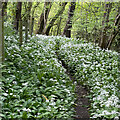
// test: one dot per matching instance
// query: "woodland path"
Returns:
(82, 103)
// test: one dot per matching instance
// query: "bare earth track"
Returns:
(82, 103)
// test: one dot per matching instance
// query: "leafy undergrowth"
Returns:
(35, 84)
(98, 70)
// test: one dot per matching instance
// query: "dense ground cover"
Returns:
(98, 70)
(35, 84)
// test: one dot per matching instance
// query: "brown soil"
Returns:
(82, 104)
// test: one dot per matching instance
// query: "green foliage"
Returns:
(35, 84)
(98, 70)
(88, 20)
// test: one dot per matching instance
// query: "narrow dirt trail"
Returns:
(82, 103)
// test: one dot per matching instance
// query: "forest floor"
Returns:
(82, 103)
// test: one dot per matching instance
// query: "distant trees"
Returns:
(106, 41)
(96, 22)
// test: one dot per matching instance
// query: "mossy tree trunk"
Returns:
(51, 23)
(2, 53)
(44, 17)
(58, 26)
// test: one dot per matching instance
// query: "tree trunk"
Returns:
(20, 31)
(119, 28)
(31, 25)
(5, 8)
(115, 32)
(20, 26)
(44, 17)
(0, 38)
(32, 20)
(60, 11)
(18, 15)
(27, 17)
(108, 7)
(58, 26)
(2, 54)
(67, 31)
(26, 29)
(86, 31)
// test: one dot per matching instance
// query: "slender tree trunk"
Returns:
(20, 27)
(26, 29)
(27, 17)
(44, 17)
(20, 32)
(119, 28)
(81, 22)
(0, 33)
(0, 44)
(58, 26)
(67, 31)
(31, 25)
(86, 36)
(5, 9)
(95, 27)
(2, 54)
(18, 15)
(32, 20)
(108, 7)
(115, 32)
(54, 32)
(102, 4)
(60, 11)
